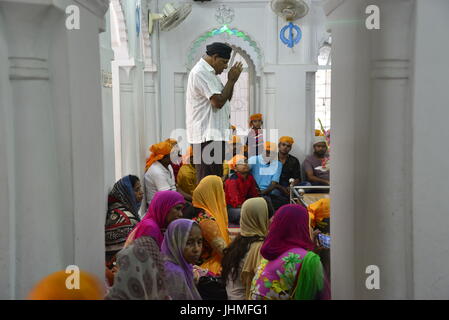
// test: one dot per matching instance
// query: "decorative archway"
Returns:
(147, 56)
(234, 37)
(119, 36)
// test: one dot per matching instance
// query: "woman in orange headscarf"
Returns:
(211, 214)
(54, 287)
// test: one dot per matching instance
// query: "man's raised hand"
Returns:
(235, 71)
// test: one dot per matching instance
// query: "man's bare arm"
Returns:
(312, 178)
(219, 100)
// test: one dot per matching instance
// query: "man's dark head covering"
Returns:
(223, 50)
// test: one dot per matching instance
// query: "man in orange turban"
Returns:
(256, 121)
(291, 169)
(159, 175)
(255, 139)
(157, 152)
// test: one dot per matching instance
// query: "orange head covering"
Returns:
(235, 140)
(233, 127)
(158, 151)
(256, 116)
(173, 142)
(287, 139)
(319, 210)
(186, 157)
(53, 287)
(270, 146)
(209, 195)
(238, 158)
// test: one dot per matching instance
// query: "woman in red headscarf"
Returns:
(290, 269)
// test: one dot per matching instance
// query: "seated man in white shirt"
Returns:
(208, 110)
(159, 175)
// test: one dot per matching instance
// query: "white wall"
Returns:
(53, 173)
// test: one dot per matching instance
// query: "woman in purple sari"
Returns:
(290, 269)
(181, 249)
(165, 207)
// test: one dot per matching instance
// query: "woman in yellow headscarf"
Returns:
(54, 287)
(212, 216)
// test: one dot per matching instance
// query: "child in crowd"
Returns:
(239, 187)
(255, 140)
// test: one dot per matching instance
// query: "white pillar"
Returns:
(54, 142)
(430, 166)
(347, 100)
(128, 128)
(388, 184)
(180, 99)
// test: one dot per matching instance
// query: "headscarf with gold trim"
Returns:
(209, 195)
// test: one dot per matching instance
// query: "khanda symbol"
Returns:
(292, 39)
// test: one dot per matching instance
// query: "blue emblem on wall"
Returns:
(293, 36)
(138, 19)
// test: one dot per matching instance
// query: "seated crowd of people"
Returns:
(181, 248)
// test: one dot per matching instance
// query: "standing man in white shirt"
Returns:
(208, 110)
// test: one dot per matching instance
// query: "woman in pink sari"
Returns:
(165, 207)
(290, 269)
